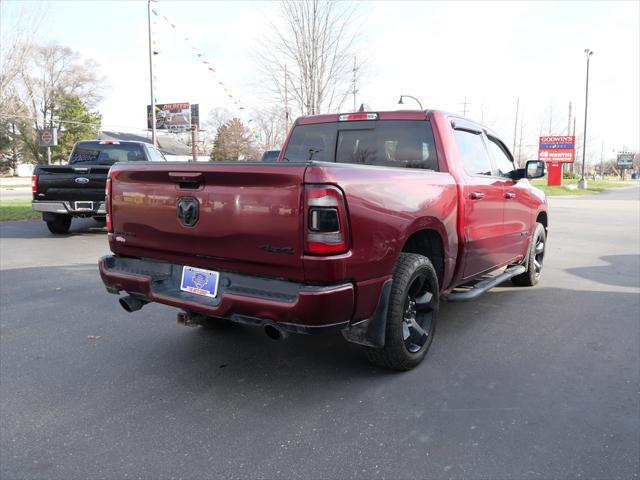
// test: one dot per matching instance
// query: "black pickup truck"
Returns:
(77, 189)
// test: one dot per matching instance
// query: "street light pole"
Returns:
(582, 184)
(153, 98)
(400, 102)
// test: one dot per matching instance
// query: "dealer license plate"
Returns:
(199, 281)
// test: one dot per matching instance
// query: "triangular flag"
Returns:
(155, 12)
(155, 53)
(200, 55)
(211, 69)
(205, 61)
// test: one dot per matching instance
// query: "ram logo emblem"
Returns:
(188, 211)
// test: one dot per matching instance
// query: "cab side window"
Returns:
(155, 155)
(473, 154)
(503, 161)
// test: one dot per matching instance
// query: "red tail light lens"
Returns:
(34, 183)
(107, 203)
(326, 227)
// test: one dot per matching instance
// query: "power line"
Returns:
(101, 125)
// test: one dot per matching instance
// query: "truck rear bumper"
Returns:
(295, 307)
(68, 208)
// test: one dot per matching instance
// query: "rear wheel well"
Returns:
(429, 244)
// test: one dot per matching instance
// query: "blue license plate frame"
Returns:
(200, 281)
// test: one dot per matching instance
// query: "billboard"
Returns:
(625, 159)
(557, 149)
(171, 116)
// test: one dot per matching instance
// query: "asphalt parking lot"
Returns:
(536, 382)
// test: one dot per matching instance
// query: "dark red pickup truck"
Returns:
(363, 224)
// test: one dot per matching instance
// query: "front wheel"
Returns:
(411, 318)
(60, 225)
(535, 259)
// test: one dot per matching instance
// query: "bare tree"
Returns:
(271, 126)
(315, 41)
(51, 72)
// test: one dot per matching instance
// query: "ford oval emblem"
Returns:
(82, 180)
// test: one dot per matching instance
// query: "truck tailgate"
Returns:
(62, 182)
(248, 215)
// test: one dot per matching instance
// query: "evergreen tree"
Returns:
(76, 123)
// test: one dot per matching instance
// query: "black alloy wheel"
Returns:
(411, 315)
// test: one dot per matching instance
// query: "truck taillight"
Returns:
(350, 117)
(107, 203)
(326, 227)
(34, 184)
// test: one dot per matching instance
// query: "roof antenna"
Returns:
(364, 108)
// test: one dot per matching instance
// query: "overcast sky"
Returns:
(489, 52)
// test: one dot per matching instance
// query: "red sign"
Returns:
(557, 149)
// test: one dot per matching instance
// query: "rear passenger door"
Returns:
(483, 203)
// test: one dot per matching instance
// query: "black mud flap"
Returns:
(371, 331)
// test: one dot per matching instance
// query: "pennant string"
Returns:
(200, 56)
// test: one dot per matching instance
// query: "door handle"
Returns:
(185, 176)
(509, 195)
(476, 195)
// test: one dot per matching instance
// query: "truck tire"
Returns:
(534, 260)
(60, 225)
(411, 316)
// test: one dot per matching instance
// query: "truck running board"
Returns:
(485, 285)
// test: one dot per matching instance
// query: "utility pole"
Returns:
(153, 98)
(574, 144)
(464, 107)
(583, 182)
(355, 90)
(286, 99)
(566, 165)
(194, 143)
(520, 141)
(550, 117)
(515, 127)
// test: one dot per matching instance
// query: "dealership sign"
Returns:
(557, 149)
(625, 159)
(174, 116)
(48, 137)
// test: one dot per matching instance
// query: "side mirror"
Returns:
(534, 169)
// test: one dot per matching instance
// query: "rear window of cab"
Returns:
(390, 143)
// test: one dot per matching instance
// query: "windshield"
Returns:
(392, 143)
(106, 153)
